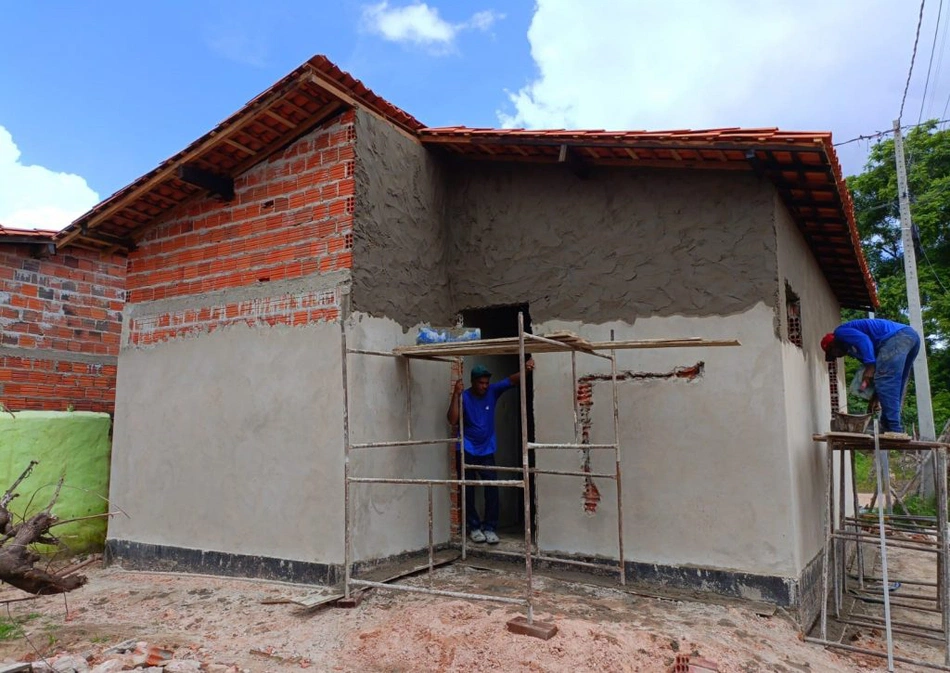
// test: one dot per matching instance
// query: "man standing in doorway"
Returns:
(478, 407)
(887, 350)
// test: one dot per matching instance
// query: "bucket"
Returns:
(850, 422)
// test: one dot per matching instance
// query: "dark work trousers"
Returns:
(472, 463)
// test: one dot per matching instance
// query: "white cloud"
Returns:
(34, 197)
(420, 25)
(796, 64)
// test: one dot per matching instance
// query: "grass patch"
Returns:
(11, 629)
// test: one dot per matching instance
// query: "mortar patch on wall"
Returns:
(585, 404)
(291, 309)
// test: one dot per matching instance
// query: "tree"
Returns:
(874, 191)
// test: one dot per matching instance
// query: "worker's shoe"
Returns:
(491, 537)
(478, 536)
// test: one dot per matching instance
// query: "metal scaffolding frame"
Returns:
(889, 531)
(538, 344)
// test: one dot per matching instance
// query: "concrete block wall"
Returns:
(292, 217)
(60, 320)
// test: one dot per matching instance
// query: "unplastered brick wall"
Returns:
(292, 216)
(60, 321)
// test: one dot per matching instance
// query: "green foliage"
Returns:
(927, 153)
(13, 628)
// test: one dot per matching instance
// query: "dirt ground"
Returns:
(224, 625)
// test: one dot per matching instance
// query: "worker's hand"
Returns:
(868, 377)
(459, 387)
(529, 365)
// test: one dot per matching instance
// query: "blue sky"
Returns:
(92, 95)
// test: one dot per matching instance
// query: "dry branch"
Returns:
(17, 557)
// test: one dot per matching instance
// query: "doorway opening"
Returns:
(497, 322)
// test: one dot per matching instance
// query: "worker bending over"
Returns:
(887, 350)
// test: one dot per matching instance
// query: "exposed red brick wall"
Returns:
(292, 216)
(60, 323)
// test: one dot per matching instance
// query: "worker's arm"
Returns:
(860, 342)
(515, 378)
(452, 416)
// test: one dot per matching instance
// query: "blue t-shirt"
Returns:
(863, 338)
(479, 418)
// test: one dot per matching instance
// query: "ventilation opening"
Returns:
(833, 385)
(793, 313)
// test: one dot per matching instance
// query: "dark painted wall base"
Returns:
(801, 595)
(143, 556)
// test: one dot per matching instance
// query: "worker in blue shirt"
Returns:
(887, 350)
(480, 444)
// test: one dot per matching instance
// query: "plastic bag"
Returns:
(428, 335)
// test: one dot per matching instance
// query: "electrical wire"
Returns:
(881, 134)
(932, 269)
(933, 48)
(941, 51)
(913, 57)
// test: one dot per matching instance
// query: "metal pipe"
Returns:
(829, 467)
(914, 582)
(574, 391)
(552, 559)
(894, 627)
(346, 466)
(878, 621)
(577, 473)
(943, 560)
(431, 552)
(897, 545)
(399, 443)
(445, 482)
(613, 377)
(437, 592)
(876, 653)
(408, 399)
(880, 518)
(859, 550)
(902, 595)
(561, 473)
(840, 578)
(582, 447)
(522, 380)
(460, 457)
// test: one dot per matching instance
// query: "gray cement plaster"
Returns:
(232, 442)
(391, 519)
(806, 384)
(619, 245)
(706, 478)
(399, 265)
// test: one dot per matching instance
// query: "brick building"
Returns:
(60, 320)
(320, 216)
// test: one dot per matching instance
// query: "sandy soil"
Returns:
(223, 624)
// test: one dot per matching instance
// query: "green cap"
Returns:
(480, 371)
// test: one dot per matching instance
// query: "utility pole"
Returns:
(925, 412)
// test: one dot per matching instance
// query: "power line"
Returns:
(913, 57)
(933, 48)
(932, 269)
(881, 134)
(941, 51)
